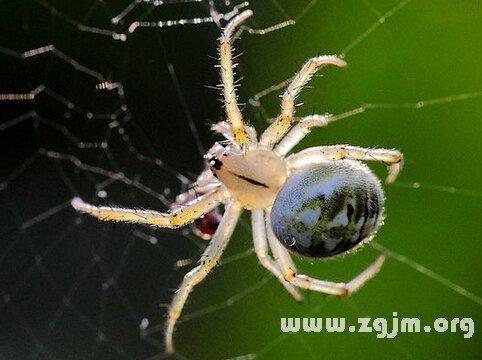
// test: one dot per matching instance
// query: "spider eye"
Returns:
(328, 209)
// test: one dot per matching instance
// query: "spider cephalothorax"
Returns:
(252, 176)
(319, 202)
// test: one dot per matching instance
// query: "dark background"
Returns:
(74, 288)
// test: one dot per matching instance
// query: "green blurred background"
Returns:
(425, 50)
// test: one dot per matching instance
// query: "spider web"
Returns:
(107, 100)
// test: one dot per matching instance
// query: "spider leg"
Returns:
(208, 261)
(283, 259)
(261, 250)
(233, 112)
(282, 124)
(300, 130)
(339, 152)
(224, 128)
(206, 179)
(177, 218)
(309, 283)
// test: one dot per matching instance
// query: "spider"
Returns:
(317, 203)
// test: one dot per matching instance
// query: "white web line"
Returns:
(118, 19)
(439, 188)
(114, 128)
(380, 21)
(419, 104)
(38, 264)
(154, 3)
(431, 274)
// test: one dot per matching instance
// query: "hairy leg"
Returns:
(182, 216)
(261, 249)
(285, 263)
(282, 124)
(309, 283)
(224, 128)
(233, 113)
(208, 261)
(340, 152)
(300, 130)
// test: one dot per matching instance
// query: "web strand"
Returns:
(427, 272)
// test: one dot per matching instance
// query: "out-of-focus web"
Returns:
(101, 178)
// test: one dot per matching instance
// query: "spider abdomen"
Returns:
(327, 209)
